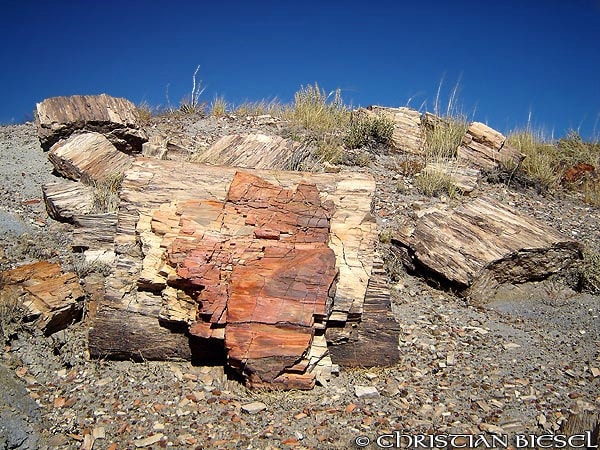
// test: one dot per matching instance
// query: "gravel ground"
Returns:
(520, 364)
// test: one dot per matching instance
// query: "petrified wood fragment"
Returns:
(117, 118)
(482, 244)
(66, 199)
(486, 149)
(50, 297)
(88, 157)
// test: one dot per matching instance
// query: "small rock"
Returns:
(595, 372)
(370, 376)
(145, 442)
(366, 391)
(254, 407)
(510, 346)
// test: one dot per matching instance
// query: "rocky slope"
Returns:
(520, 364)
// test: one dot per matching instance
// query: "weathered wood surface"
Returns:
(482, 244)
(50, 297)
(486, 148)
(117, 118)
(257, 151)
(408, 135)
(373, 341)
(94, 235)
(150, 199)
(66, 199)
(88, 157)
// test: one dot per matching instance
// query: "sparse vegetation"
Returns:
(191, 103)
(145, 112)
(590, 271)
(318, 111)
(541, 157)
(546, 160)
(443, 134)
(12, 313)
(433, 182)
(260, 108)
(369, 131)
(106, 193)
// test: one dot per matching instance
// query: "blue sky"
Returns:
(511, 58)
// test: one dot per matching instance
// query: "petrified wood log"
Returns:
(487, 149)
(257, 151)
(117, 118)
(88, 157)
(206, 242)
(482, 244)
(50, 297)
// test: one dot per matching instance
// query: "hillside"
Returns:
(510, 347)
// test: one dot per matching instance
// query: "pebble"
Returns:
(366, 391)
(147, 441)
(254, 407)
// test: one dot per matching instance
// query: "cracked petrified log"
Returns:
(50, 297)
(267, 246)
(117, 119)
(254, 270)
(482, 244)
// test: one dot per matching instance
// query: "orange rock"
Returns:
(52, 298)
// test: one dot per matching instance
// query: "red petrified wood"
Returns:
(262, 274)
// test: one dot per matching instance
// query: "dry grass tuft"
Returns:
(106, 193)
(218, 107)
(12, 312)
(590, 271)
(261, 108)
(316, 110)
(145, 112)
(542, 157)
(434, 181)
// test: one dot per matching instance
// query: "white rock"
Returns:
(254, 407)
(145, 442)
(366, 391)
